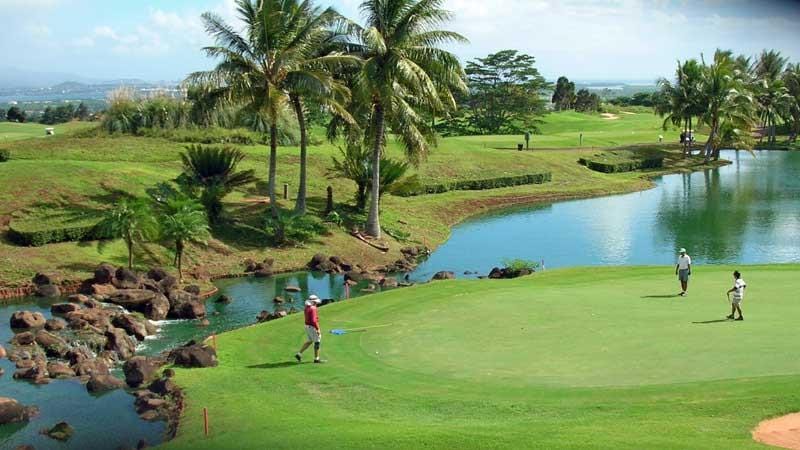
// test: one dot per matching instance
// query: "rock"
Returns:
(126, 279)
(192, 289)
(26, 338)
(157, 274)
(90, 367)
(353, 275)
(96, 317)
(25, 364)
(48, 291)
(120, 343)
(185, 305)
(103, 290)
(36, 372)
(292, 289)
(11, 411)
(268, 262)
(157, 309)
(278, 300)
(64, 308)
(389, 282)
(266, 316)
(79, 299)
(194, 355)
(163, 386)
(508, 273)
(78, 354)
(316, 260)
(168, 283)
(104, 274)
(224, 299)
(59, 370)
(53, 345)
(132, 325)
(132, 299)
(103, 383)
(263, 272)
(62, 431)
(25, 447)
(149, 416)
(203, 323)
(55, 324)
(249, 266)
(444, 275)
(141, 369)
(41, 279)
(151, 285)
(3, 352)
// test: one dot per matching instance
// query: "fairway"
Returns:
(604, 357)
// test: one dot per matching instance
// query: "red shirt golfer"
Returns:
(314, 336)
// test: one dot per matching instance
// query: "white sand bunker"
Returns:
(609, 116)
(780, 432)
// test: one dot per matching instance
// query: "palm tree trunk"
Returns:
(300, 205)
(179, 257)
(709, 143)
(689, 143)
(373, 221)
(129, 244)
(273, 163)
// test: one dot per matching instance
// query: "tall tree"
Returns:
(132, 220)
(505, 92)
(731, 109)
(791, 79)
(681, 100)
(586, 101)
(772, 95)
(14, 114)
(404, 72)
(183, 221)
(564, 94)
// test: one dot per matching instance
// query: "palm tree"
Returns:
(791, 79)
(731, 108)
(404, 72)
(213, 169)
(772, 95)
(132, 220)
(683, 100)
(183, 221)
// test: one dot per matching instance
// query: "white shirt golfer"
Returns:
(684, 261)
(738, 291)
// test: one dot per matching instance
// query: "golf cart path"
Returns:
(781, 431)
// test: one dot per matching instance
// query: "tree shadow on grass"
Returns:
(711, 321)
(277, 365)
(661, 296)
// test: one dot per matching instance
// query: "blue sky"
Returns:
(599, 39)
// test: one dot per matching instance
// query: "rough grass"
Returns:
(601, 358)
(52, 180)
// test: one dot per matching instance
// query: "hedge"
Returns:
(411, 190)
(37, 238)
(622, 166)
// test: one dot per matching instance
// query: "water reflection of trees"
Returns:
(711, 213)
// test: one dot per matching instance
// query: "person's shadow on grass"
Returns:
(277, 365)
(711, 321)
(661, 296)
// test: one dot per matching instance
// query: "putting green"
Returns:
(603, 357)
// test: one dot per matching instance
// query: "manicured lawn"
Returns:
(49, 181)
(12, 131)
(601, 358)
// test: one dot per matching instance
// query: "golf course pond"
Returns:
(746, 212)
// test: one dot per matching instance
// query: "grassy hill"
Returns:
(62, 179)
(601, 358)
(12, 131)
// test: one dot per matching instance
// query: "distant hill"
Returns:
(13, 77)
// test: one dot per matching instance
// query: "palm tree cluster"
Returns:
(735, 97)
(374, 80)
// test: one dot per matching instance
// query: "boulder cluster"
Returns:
(259, 270)
(95, 330)
(508, 273)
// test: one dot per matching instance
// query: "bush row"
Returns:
(622, 166)
(412, 189)
(37, 238)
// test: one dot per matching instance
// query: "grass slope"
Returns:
(50, 181)
(12, 131)
(577, 358)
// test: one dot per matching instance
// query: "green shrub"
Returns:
(289, 229)
(518, 264)
(5, 155)
(18, 234)
(414, 187)
(623, 165)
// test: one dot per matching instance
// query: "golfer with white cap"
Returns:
(314, 336)
(683, 269)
